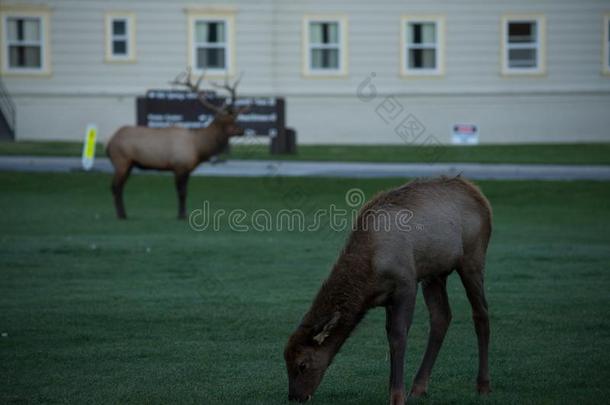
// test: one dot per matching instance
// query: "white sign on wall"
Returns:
(465, 134)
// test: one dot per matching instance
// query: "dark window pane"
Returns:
(25, 57)
(330, 34)
(521, 32)
(212, 32)
(32, 56)
(324, 33)
(20, 33)
(211, 58)
(119, 27)
(119, 47)
(522, 58)
(23, 29)
(15, 56)
(417, 33)
(325, 36)
(325, 58)
(422, 33)
(422, 59)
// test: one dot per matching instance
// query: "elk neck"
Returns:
(211, 139)
(349, 290)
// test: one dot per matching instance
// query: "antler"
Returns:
(185, 79)
(232, 89)
(218, 110)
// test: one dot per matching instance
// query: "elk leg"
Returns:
(435, 295)
(181, 182)
(472, 278)
(118, 182)
(399, 314)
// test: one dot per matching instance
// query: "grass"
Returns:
(571, 154)
(149, 311)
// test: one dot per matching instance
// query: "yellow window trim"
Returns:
(131, 42)
(541, 69)
(42, 12)
(605, 45)
(341, 73)
(39, 8)
(212, 13)
(439, 20)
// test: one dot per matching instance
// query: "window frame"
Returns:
(540, 45)
(130, 36)
(606, 44)
(439, 22)
(307, 46)
(228, 19)
(43, 16)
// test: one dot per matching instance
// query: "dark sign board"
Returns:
(166, 108)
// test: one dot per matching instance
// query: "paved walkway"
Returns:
(258, 168)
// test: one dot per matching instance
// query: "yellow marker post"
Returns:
(89, 146)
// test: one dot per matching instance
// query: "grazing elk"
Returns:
(175, 149)
(449, 227)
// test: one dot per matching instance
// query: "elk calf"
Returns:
(174, 149)
(382, 264)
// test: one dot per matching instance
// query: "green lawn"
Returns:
(149, 311)
(572, 154)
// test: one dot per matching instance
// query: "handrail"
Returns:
(7, 107)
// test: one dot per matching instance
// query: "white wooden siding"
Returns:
(572, 94)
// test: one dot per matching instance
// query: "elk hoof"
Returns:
(397, 398)
(419, 390)
(483, 387)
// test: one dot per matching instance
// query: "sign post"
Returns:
(89, 146)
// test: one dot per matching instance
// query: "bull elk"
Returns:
(175, 149)
(382, 265)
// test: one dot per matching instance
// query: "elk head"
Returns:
(225, 116)
(308, 354)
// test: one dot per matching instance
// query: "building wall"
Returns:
(500, 118)
(568, 103)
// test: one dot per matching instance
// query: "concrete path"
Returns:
(258, 168)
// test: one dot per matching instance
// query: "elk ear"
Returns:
(323, 330)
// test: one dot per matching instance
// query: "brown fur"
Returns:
(451, 227)
(173, 149)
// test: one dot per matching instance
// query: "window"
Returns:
(120, 37)
(211, 43)
(523, 44)
(606, 45)
(422, 45)
(25, 42)
(324, 46)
